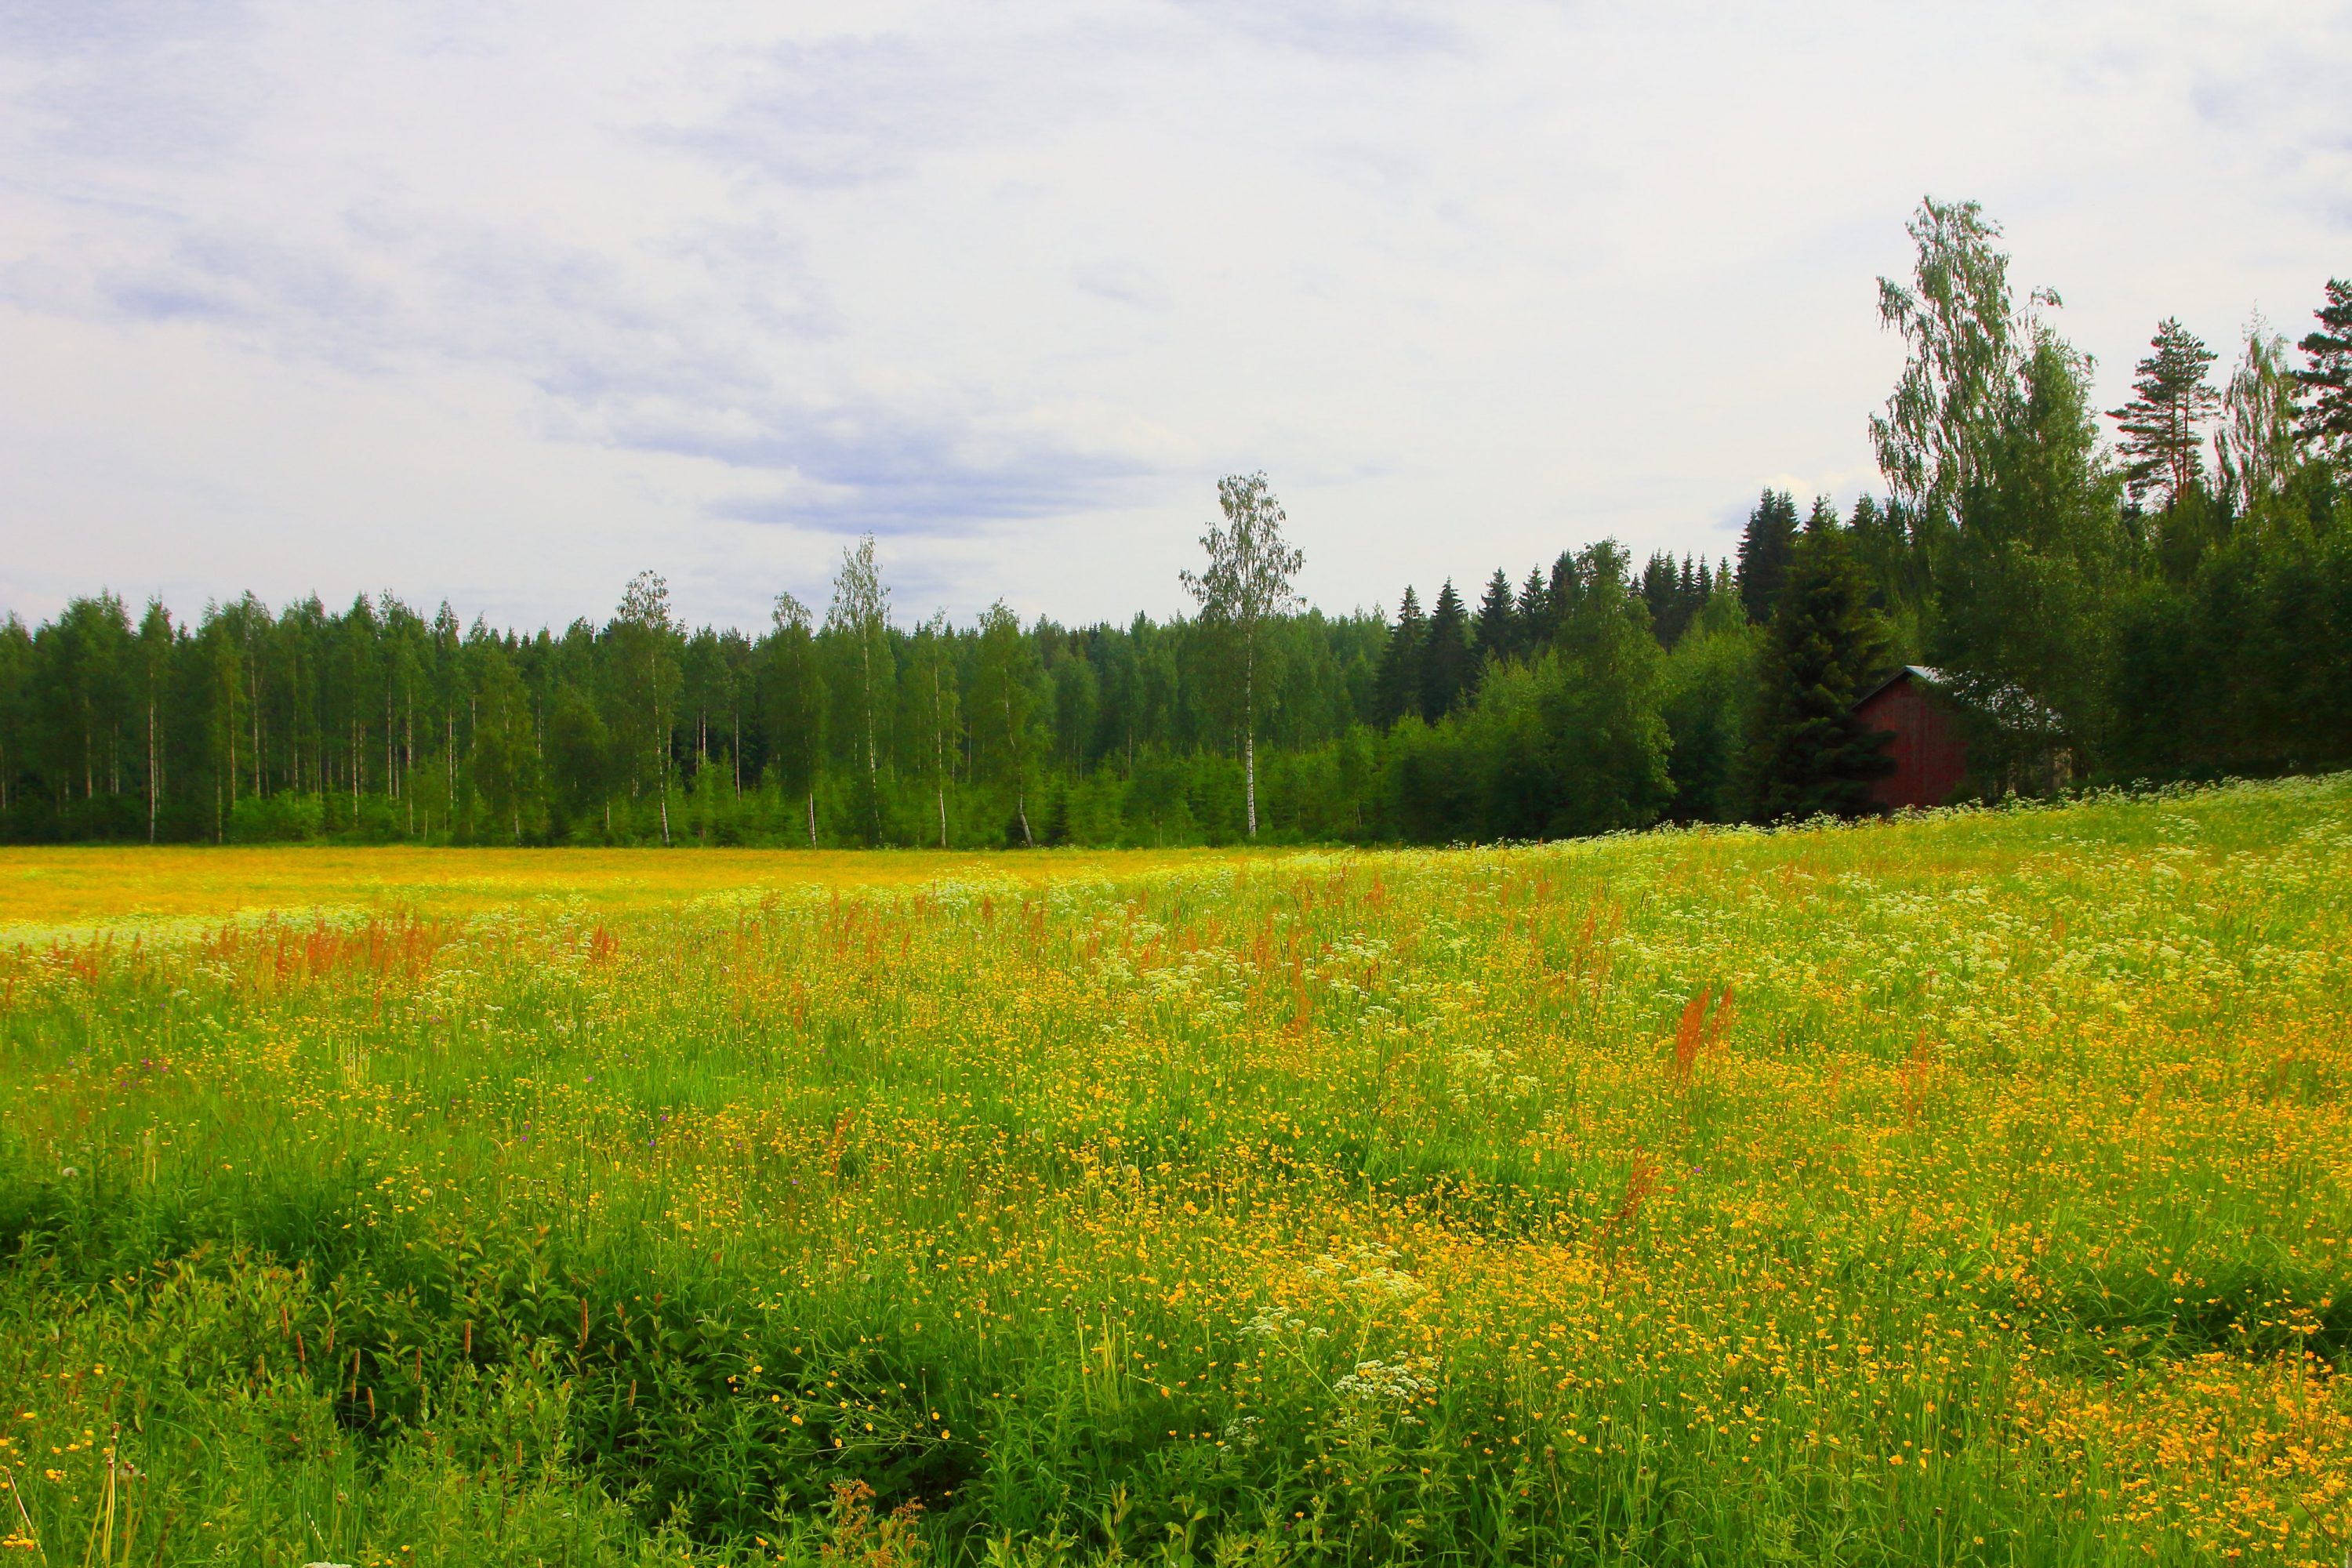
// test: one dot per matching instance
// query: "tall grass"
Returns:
(1329, 1207)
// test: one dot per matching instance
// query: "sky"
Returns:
(502, 302)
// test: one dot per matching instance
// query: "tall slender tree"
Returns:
(1535, 615)
(2163, 445)
(2326, 378)
(1447, 670)
(859, 617)
(1495, 634)
(646, 632)
(2254, 449)
(794, 706)
(933, 676)
(1966, 343)
(1810, 755)
(1396, 689)
(154, 674)
(1248, 582)
(1001, 702)
(1766, 547)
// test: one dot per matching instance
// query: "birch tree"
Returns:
(1248, 584)
(1002, 701)
(793, 695)
(2254, 449)
(650, 671)
(1967, 346)
(860, 616)
(934, 699)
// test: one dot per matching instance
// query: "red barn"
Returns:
(1930, 756)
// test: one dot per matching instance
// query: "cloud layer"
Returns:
(504, 303)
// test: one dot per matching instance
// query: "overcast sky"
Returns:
(502, 302)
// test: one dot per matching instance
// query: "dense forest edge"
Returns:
(2161, 591)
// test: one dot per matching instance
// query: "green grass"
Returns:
(1318, 1207)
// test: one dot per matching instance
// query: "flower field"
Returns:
(1975, 1188)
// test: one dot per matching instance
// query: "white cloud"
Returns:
(504, 302)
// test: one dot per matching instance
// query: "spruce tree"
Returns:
(1609, 740)
(1661, 593)
(1560, 596)
(1498, 631)
(1396, 686)
(1765, 547)
(2325, 422)
(1810, 753)
(2163, 445)
(1535, 621)
(1447, 675)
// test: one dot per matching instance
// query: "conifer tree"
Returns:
(1560, 596)
(1445, 669)
(2326, 379)
(2163, 445)
(1396, 688)
(1765, 546)
(1809, 755)
(1610, 742)
(1498, 631)
(1662, 593)
(1535, 614)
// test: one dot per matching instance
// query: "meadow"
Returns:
(1974, 1188)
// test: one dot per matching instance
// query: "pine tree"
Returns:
(2326, 419)
(1498, 631)
(1810, 753)
(1447, 672)
(1765, 548)
(1396, 688)
(2163, 445)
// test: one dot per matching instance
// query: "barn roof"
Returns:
(2007, 705)
(1903, 672)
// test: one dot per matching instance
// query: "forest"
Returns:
(2161, 591)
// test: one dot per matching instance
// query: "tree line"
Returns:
(2160, 590)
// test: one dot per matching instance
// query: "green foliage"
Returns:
(1449, 668)
(1766, 546)
(1709, 686)
(1811, 755)
(2025, 581)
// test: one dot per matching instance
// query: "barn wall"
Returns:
(1929, 757)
